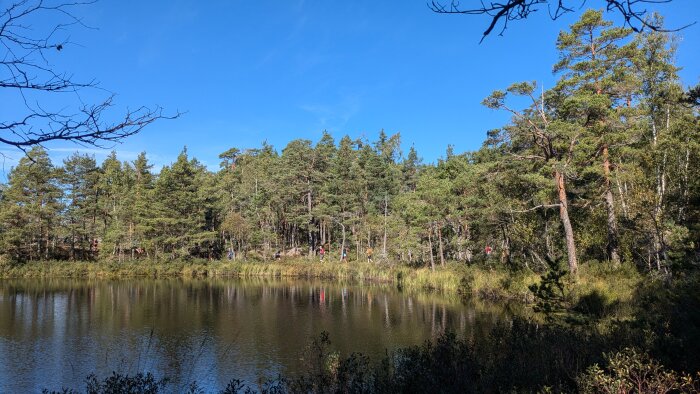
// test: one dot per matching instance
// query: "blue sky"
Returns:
(249, 71)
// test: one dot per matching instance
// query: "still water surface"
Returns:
(53, 333)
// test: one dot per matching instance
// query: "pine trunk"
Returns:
(386, 208)
(342, 243)
(613, 244)
(310, 233)
(505, 246)
(430, 247)
(442, 254)
(564, 216)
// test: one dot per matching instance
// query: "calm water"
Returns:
(55, 332)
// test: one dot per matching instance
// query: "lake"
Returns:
(53, 333)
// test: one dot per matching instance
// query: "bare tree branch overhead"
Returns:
(633, 11)
(53, 103)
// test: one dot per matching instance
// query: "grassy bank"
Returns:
(448, 278)
(614, 286)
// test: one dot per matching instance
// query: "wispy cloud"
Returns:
(286, 44)
(334, 116)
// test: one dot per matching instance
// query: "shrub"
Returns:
(632, 371)
(119, 384)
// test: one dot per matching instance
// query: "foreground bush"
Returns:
(120, 384)
(631, 371)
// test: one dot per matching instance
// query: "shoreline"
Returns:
(466, 281)
(455, 278)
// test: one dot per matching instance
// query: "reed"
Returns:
(616, 285)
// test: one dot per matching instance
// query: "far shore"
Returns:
(454, 277)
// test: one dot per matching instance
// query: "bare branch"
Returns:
(513, 10)
(29, 77)
(545, 206)
(86, 127)
(528, 157)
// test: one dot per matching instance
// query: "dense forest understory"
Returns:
(586, 204)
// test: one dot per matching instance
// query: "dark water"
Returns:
(55, 332)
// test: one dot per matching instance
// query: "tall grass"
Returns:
(611, 285)
(444, 279)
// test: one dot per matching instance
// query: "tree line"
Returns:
(601, 166)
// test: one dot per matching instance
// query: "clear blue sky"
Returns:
(248, 71)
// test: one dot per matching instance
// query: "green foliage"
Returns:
(31, 206)
(551, 293)
(669, 315)
(632, 371)
(594, 304)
